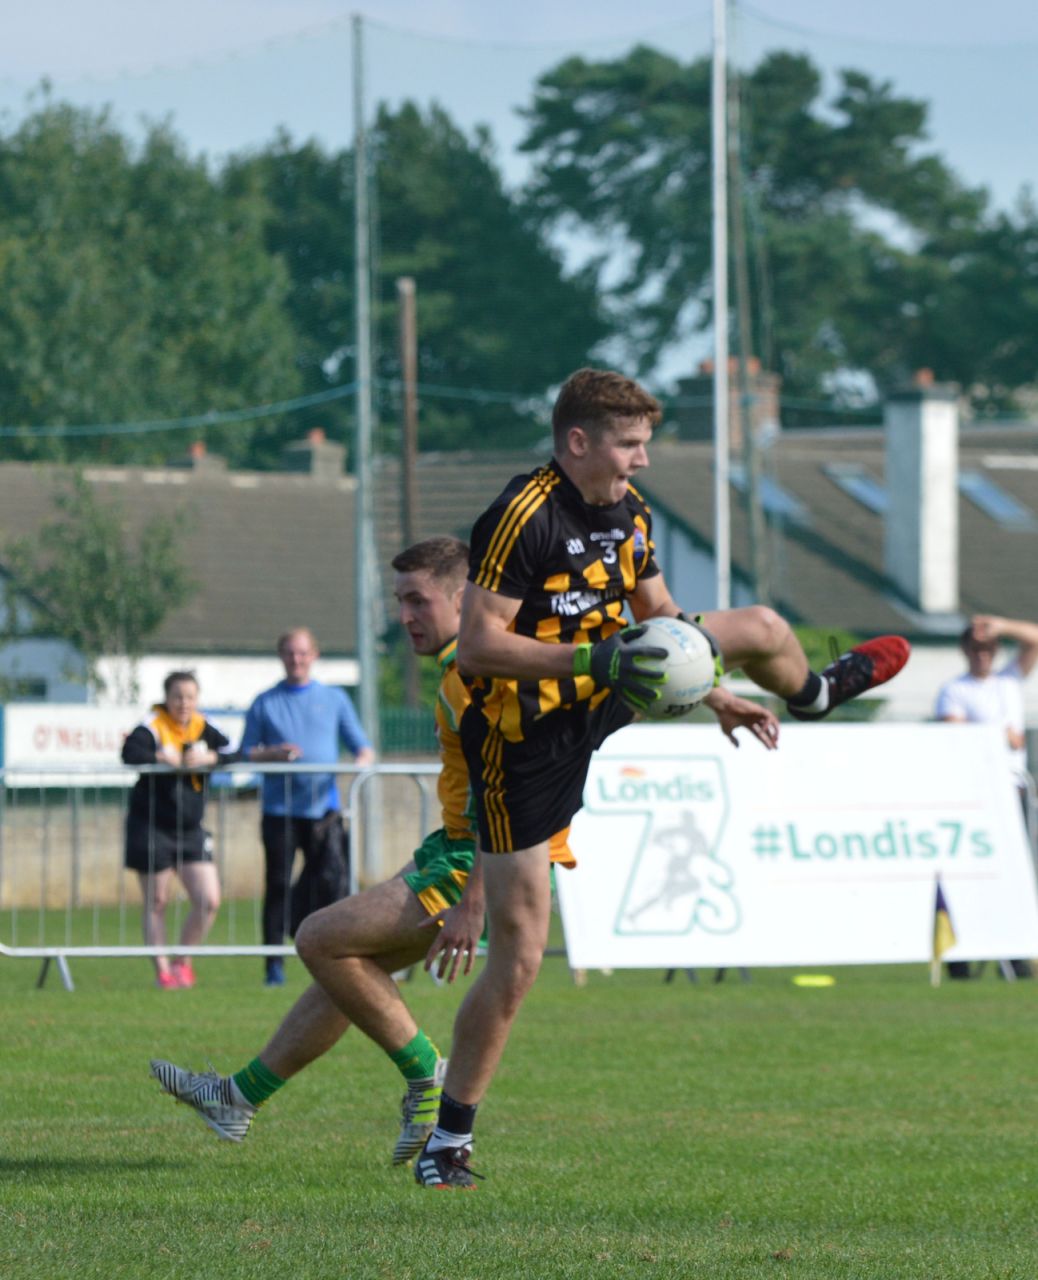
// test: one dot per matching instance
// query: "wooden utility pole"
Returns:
(405, 292)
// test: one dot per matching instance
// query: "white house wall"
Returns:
(54, 663)
(690, 571)
(224, 681)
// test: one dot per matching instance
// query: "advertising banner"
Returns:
(82, 740)
(826, 851)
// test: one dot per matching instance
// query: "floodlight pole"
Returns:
(364, 570)
(718, 151)
(751, 451)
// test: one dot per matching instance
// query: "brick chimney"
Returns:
(921, 535)
(696, 421)
(199, 459)
(316, 456)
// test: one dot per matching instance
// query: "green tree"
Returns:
(495, 306)
(136, 287)
(980, 319)
(496, 310)
(854, 220)
(85, 579)
(308, 229)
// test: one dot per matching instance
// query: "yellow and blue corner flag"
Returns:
(943, 933)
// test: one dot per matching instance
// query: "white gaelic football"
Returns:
(689, 665)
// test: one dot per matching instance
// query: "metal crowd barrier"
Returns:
(65, 893)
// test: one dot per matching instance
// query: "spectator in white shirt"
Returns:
(984, 695)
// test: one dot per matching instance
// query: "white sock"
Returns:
(441, 1138)
(821, 703)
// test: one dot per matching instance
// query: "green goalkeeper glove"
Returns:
(634, 671)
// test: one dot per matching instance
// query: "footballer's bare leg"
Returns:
(354, 946)
(310, 1028)
(518, 900)
(763, 644)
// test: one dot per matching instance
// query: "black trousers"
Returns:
(324, 879)
(526, 791)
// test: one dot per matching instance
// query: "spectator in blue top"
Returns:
(302, 720)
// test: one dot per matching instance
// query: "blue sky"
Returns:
(227, 72)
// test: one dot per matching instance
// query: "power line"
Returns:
(213, 418)
(480, 395)
(186, 63)
(908, 45)
(587, 42)
(519, 400)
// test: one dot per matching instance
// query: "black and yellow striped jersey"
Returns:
(571, 565)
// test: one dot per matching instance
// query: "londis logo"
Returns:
(633, 785)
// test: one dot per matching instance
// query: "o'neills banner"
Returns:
(825, 851)
(84, 741)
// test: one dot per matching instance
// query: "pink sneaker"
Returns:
(183, 973)
(166, 980)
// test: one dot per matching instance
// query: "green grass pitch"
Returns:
(874, 1130)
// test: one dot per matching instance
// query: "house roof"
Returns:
(267, 551)
(827, 567)
(452, 490)
(274, 550)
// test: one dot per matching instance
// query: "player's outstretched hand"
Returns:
(635, 671)
(734, 713)
(456, 939)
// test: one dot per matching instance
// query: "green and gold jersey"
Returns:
(452, 787)
(572, 565)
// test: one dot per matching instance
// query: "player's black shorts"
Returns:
(526, 791)
(150, 848)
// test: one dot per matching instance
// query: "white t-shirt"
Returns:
(997, 699)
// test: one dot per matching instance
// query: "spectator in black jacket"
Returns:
(164, 832)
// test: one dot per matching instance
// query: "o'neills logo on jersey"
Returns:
(569, 603)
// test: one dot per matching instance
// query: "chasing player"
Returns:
(354, 946)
